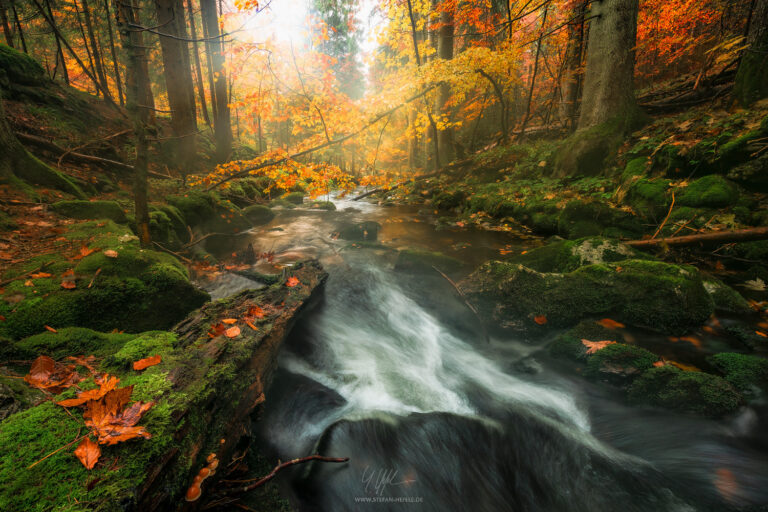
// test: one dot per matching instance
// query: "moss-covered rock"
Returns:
(691, 392)
(619, 362)
(746, 372)
(668, 298)
(136, 291)
(68, 341)
(282, 203)
(19, 67)
(294, 197)
(322, 205)
(208, 212)
(591, 218)
(649, 197)
(413, 260)
(90, 210)
(711, 191)
(258, 214)
(568, 345)
(568, 255)
(726, 299)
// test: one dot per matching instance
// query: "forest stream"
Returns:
(390, 369)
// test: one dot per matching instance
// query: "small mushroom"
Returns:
(194, 492)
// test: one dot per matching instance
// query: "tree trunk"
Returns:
(178, 80)
(752, 76)
(198, 67)
(113, 52)
(88, 51)
(137, 91)
(444, 52)
(535, 72)
(221, 123)
(608, 78)
(6, 26)
(18, 26)
(97, 61)
(571, 81)
(60, 62)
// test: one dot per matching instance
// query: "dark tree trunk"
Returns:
(88, 51)
(137, 92)
(178, 79)
(752, 76)
(608, 78)
(198, 67)
(571, 80)
(97, 60)
(221, 123)
(19, 30)
(113, 52)
(445, 52)
(535, 72)
(60, 62)
(6, 25)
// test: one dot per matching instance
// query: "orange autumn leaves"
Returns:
(227, 326)
(106, 408)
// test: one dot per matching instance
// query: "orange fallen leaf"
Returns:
(69, 285)
(232, 332)
(88, 453)
(85, 251)
(725, 483)
(708, 329)
(111, 421)
(249, 324)
(106, 384)
(761, 333)
(658, 364)
(693, 340)
(540, 319)
(230, 321)
(610, 324)
(48, 375)
(216, 330)
(594, 346)
(49, 328)
(256, 311)
(684, 367)
(39, 275)
(142, 364)
(763, 325)
(291, 282)
(29, 282)
(109, 253)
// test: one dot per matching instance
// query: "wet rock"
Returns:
(619, 363)
(567, 255)
(411, 260)
(258, 214)
(660, 296)
(691, 392)
(747, 373)
(367, 231)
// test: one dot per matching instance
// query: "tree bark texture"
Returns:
(222, 124)
(752, 77)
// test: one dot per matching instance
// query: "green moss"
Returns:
(691, 392)
(649, 197)
(568, 345)
(90, 210)
(322, 205)
(635, 167)
(294, 197)
(208, 212)
(19, 67)
(726, 299)
(568, 255)
(668, 298)
(752, 75)
(711, 191)
(412, 260)
(619, 361)
(69, 341)
(145, 345)
(282, 203)
(588, 152)
(6, 222)
(745, 372)
(259, 214)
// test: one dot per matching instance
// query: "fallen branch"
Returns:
(466, 302)
(165, 249)
(447, 168)
(740, 235)
(258, 482)
(330, 143)
(51, 147)
(661, 226)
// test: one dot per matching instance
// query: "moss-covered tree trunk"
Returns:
(752, 76)
(609, 74)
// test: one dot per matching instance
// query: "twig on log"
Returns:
(466, 302)
(661, 226)
(740, 235)
(258, 482)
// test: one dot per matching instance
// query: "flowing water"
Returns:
(390, 369)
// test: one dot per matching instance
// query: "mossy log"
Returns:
(717, 237)
(206, 390)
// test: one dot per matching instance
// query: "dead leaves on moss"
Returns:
(145, 363)
(106, 411)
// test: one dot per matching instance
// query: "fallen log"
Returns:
(448, 168)
(56, 150)
(716, 237)
(211, 382)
